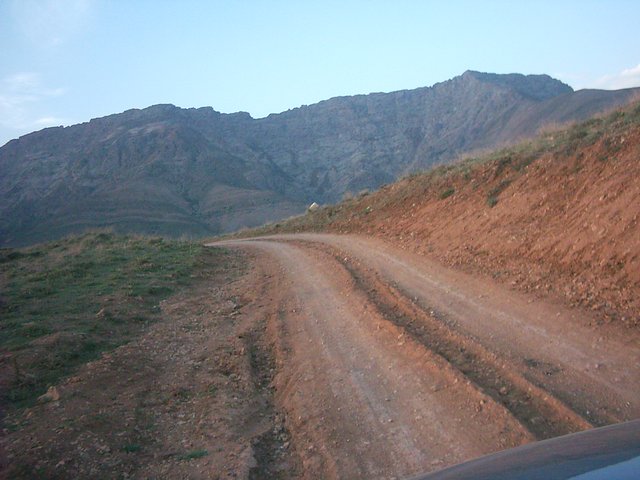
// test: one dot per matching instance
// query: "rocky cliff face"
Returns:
(173, 171)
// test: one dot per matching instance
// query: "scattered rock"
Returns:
(52, 395)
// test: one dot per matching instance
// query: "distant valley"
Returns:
(196, 172)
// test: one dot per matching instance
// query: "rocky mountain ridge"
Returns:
(172, 171)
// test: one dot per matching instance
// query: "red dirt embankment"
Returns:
(558, 215)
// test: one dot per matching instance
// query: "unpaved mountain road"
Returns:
(389, 365)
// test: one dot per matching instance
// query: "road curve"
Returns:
(390, 365)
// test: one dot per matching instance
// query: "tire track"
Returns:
(537, 409)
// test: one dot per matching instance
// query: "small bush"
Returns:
(131, 448)
(494, 193)
(447, 193)
(193, 455)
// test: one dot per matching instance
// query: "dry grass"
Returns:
(65, 302)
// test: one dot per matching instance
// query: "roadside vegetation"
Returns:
(64, 303)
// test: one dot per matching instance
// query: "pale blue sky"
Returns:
(67, 61)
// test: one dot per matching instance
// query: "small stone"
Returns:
(52, 395)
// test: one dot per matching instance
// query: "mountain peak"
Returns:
(535, 87)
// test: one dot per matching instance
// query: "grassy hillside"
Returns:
(558, 214)
(65, 302)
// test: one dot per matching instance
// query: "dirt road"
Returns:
(389, 365)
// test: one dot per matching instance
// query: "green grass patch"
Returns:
(193, 455)
(494, 193)
(132, 448)
(447, 193)
(64, 303)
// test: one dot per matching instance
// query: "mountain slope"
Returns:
(135, 174)
(173, 171)
(558, 215)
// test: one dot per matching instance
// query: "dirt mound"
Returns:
(558, 215)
